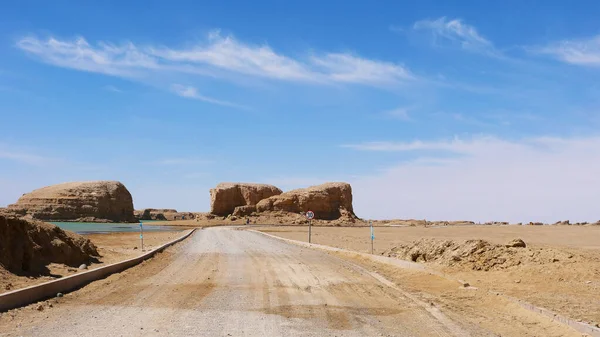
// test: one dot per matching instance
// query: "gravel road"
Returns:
(228, 282)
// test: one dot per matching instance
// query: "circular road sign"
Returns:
(310, 215)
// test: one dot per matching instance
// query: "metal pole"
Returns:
(309, 230)
(372, 237)
(142, 235)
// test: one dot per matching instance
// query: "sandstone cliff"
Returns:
(328, 201)
(29, 246)
(83, 201)
(227, 196)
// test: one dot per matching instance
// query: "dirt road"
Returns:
(226, 282)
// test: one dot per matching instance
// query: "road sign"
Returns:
(310, 215)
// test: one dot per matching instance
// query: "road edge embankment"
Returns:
(35, 293)
(578, 326)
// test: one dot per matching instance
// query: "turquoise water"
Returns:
(93, 227)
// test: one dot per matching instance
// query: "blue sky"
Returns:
(431, 109)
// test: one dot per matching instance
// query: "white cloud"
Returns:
(21, 156)
(455, 145)
(125, 60)
(538, 179)
(353, 69)
(212, 57)
(398, 113)
(192, 92)
(456, 31)
(113, 89)
(229, 54)
(584, 52)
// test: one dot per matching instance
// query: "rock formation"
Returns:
(154, 214)
(244, 210)
(84, 201)
(29, 246)
(328, 201)
(227, 196)
(163, 214)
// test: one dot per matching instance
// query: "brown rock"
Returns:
(328, 201)
(90, 201)
(160, 214)
(29, 246)
(227, 196)
(241, 211)
(516, 243)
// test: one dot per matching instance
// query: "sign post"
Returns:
(310, 215)
(372, 236)
(142, 234)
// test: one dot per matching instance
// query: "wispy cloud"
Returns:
(489, 178)
(583, 52)
(21, 156)
(400, 113)
(192, 92)
(456, 145)
(112, 89)
(470, 120)
(457, 32)
(211, 57)
(125, 60)
(354, 69)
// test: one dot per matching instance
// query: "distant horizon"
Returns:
(207, 210)
(473, 110)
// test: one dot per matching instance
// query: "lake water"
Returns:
(93, 227)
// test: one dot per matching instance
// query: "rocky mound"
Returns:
(155, 214)
(328, 201)
(29, 246)
(477, 254)
(82, 201)
(227, 196)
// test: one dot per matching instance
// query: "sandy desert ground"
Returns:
(231, 282)
(113, 247)
(567, 286)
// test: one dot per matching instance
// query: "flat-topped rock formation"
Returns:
(329, 201)
(102, 201)
(227, 196)
(164, 214)
(154, 214)
(29, 246)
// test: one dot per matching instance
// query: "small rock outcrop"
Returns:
(244, 210)
(516, 243)
(227, 196)
(29, 246)
(103, 201)
(164, 214)
(155, 214)
(329, 201)
(479, 254)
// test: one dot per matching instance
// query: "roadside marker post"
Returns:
(310, 215)
(372, 236)
(142, 234)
